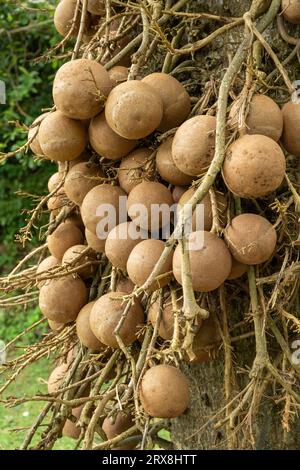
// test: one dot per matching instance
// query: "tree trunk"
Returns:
(196, 429)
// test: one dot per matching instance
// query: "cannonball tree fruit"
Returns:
(124, 284)
(291, 128)
(166, 325)
(54, 181)
(115, 425)
(70, 428)
(106, 142)
(176, 100)
(135, 168)
(118, 74)
(193, 145)
(57, 202)
(206, 342)
(44, 266)
(133, 110)
(96, 7)
(61, 299)
(80, 88)
(94, 242)
(61, 138)
(149, 204)
(166, 167)
(210, 261)
(142, 261)
(164, 392)
(65, 21)
(120, 242)
(291, 11)
(56, 377)
(83, 329)
(254, 166)
(80, 179)
(101, 209)
(78, 255)
(251, 238)
(85, 156)
(106, 315)
(55, 326)
(66, 235)
(202, 216)
(237, 270)
(177, 192)
(33, 135)
(264, 117)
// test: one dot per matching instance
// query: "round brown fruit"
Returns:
(47, 263)
(57, 202)
(118, 74)
(251, 238)
(205, 342)
(210, 263)
(142, 201)
(106, 142)
(56, 377)
(33, 134)
(80, 88)
(125, 285)
(54, 181)
(176, 101)
(120, 423)
(63, 237)
(116, 425)
(61, 138)
(142, 261)
(264, 117)
(291, 11)
(204, 207)
(62, 299)
(194, 145)
(135, 168)
(70, 429)
(97, 198)
(120, 242)
(164, 392)
(64, 17)
(55, 326)
(83, 329)
(254, 166)
(96, 7)
(291, 128)
(166, 167)
(80, 180)
(94, 242)
(75, 218)
(177, 192)
(106, 315)
(83, 157)
(237, 270)
(75, 252)
(133, 110)
(166, 326)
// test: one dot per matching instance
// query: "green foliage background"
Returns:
(28, 84)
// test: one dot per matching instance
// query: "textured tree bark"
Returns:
(207, 398)
(207, 380)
